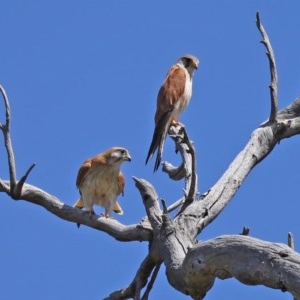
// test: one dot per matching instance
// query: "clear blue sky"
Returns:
(83, 76)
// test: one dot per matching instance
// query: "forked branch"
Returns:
(5, 128)
(15, 187)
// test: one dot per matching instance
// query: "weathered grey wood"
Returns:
(273, 70)
(134, 232)
(249, 260)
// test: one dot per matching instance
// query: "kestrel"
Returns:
(173, 97)
(100, 181)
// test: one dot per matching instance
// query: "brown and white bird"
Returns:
(173, 97)
(100, 181)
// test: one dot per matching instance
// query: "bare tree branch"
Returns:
(188, 168)
(176, 204)
(150, 200)
(139, 281)
(291, 243)
(274, 79)
(110, 226)
(291, 111)
(192, 177)
(4, 187)
(245, 231)
(7, 141)
(153, 259)
(19, 186)
(261, 143)
(151, 282)
(15, 187)
(271, 264)
(191, 265)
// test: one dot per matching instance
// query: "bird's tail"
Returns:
(158, 139)
(79, 203)
(118, 209)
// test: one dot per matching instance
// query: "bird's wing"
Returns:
(85, 167)
(121, 184)
(158, 139)
(169, 94)
(118, 209)
(82, 172)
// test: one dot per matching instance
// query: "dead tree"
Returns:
(191, 266)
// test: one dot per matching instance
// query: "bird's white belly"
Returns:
(99, 190)
(184, 100)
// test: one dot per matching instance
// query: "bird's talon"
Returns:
(176, 123)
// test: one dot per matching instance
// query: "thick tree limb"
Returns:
(153, 259)
(261, 143)
(150, 200)
(249, 260)
(291, 111)
(55, 206)
(199, 214)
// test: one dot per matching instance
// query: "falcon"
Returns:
(173, 97)
(100, 181)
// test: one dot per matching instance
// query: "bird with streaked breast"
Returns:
(100, 181)
(173, 97)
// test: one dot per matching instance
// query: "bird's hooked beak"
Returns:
(196, 64)
(127, 157)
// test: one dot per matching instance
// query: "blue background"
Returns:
(83, 76)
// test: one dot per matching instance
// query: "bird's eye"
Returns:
(122, 151)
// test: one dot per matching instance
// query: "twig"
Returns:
(18, 187)
(15, 187)
(151, 282)
(274, 79)
(139, 281)
(291, 243)
(8, 144)
(176, 204)
(163, 203)
(245, 231)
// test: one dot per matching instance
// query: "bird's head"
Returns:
(117, 155)
(190, 62)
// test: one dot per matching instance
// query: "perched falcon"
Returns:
(173, 97)
(100, 181)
